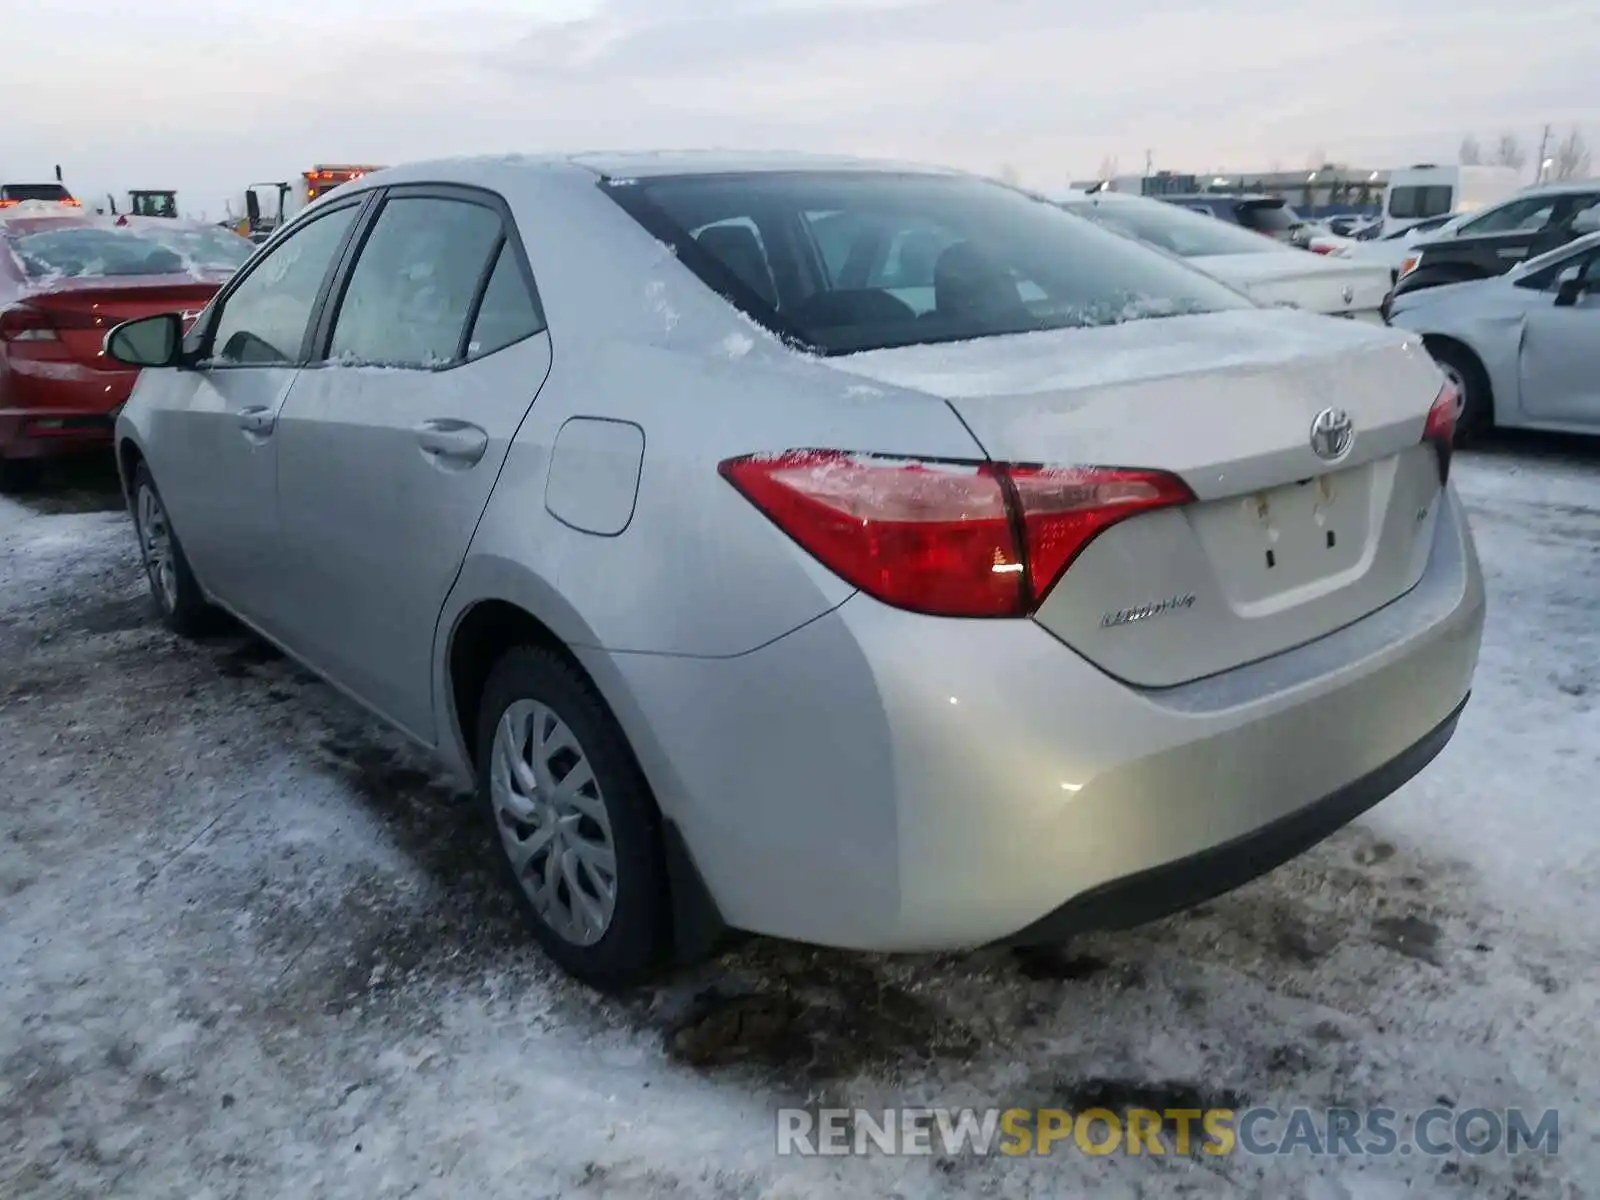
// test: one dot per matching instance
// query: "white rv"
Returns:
(1424, 192)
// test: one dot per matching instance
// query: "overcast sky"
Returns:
(210, 95)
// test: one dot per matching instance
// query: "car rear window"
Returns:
(850, 261)
(34, 191)
(1172, 228)
(1266, 216)
(92, 251)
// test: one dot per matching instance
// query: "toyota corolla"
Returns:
(867, 555)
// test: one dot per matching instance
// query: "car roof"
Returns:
(488, 169)
(1561, 188)
(1218, 196)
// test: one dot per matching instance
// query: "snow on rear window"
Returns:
(95, 251)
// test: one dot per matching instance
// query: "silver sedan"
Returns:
(871, 556)
(1523, 349)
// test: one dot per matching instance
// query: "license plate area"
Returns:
(1289, 543)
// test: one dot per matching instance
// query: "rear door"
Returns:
(431, 352)
(211, 440)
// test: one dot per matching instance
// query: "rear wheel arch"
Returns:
(129, 458)
(482, 636)
(1455, 356)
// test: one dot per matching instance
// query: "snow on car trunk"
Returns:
(1281, 545)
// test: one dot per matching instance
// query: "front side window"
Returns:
(263, 321)
(410, 294)
(1519, 216)
(1266, 216)
(858, 261)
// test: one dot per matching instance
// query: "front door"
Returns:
(1559, 363)
(388, 449)
(213, 427)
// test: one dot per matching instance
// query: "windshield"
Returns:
(1173, 229)
(92, 251)
(843, 262)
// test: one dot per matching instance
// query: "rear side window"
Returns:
(411, 293)
(508, 312)
(1412, 203)
(843, 262)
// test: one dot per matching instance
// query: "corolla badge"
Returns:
(1332, 434)
(1144, 612)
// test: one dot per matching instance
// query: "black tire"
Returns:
(184, 610)
(18, 475)
(636, 943)
(1477, 400)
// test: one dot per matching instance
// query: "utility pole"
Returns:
(1538, 163)
(1149, 162)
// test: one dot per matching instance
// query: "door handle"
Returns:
(257, 420)
(454, 441)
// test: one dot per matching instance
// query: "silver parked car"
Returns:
(1522, 348)
(871, 556)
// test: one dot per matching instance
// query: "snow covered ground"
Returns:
(249, 947)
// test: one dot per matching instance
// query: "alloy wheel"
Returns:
(552, 820)
(155, 543)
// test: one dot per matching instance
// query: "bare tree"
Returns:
(1508, 152)
(1316, 159)
(1571, 159)
(1108, 167)
(1470, 154)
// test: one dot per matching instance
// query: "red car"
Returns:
(66, 277)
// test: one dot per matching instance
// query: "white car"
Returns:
(1268, 271)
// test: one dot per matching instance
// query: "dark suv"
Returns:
(1267, 215)
(1535, 222)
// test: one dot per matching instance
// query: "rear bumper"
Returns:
(884, 781)
(51, 408)
(1160, 891)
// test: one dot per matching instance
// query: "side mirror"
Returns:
(1569, 287)
(147, 342)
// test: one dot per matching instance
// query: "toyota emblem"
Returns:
(1349, 294)
(1332, 433)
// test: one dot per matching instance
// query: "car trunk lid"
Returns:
(83, 311)
(1281, 546)
(1320, 285)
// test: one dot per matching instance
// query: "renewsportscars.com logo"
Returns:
(1433, 1132)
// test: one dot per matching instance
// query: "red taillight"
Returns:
(24, 323)
(1441, 426)
(948, 539)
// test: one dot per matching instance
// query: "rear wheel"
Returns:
(575, 824)
(1466, 374)
(182, 607)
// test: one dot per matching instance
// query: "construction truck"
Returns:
(149, 202)
(269, 205)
